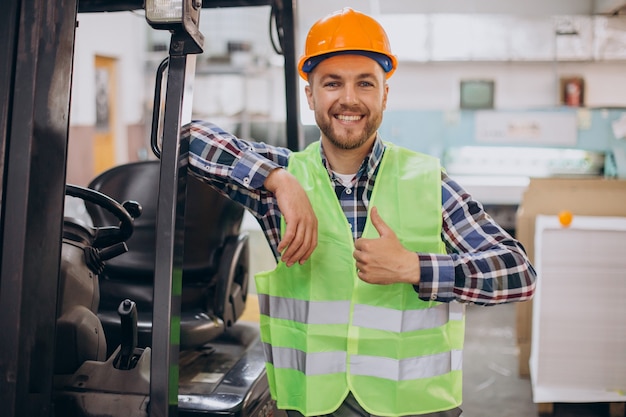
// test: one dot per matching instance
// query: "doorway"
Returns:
(106, 106)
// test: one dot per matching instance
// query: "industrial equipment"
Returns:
(53, 360)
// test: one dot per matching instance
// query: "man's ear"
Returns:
(309, 96)
(385, 96)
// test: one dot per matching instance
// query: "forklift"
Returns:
(172, 345)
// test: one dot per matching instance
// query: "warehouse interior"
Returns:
(524, 103)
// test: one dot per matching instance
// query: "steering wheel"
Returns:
(106, 236)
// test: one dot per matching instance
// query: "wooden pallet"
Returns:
(615, 409)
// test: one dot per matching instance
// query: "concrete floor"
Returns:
(492, 386)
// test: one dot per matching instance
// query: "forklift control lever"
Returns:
(127, 359)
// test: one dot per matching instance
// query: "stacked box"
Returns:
(578, 351)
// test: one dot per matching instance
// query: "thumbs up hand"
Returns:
(384, 260)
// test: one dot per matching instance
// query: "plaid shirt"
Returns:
(483, 264)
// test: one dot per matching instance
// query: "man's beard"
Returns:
(349, 139)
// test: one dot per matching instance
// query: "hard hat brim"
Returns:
(308, 64)
(383, 60)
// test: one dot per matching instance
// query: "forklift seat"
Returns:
(215, 260)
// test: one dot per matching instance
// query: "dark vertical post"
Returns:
(37, 47)
(295, 139)
(169, 246)
(8, 43)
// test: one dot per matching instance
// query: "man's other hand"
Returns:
(300, 237)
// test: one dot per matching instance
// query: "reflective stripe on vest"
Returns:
(326, 332)
(338, 312)
(398, 370)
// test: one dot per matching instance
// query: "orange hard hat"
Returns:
(346, 31)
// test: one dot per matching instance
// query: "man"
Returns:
(378, 248)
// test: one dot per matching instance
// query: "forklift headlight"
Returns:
(181, 17)
(171, 14)
(164, 11)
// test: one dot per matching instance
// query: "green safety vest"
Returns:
(326, 332)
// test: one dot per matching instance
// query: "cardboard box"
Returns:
(585, 197)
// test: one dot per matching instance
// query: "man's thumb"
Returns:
(379, 224)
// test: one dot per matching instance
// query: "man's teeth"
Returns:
(348, 118)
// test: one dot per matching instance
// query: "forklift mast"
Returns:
(37, 40)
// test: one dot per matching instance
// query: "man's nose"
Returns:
(349, 95)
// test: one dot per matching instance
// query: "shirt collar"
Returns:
(370, 163)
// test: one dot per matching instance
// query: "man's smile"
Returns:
(346, 118)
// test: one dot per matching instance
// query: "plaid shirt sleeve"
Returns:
(237, 168)
(484, 264)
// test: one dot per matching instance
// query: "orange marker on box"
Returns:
(565, 218)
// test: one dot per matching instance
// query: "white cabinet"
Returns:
(500, 38)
